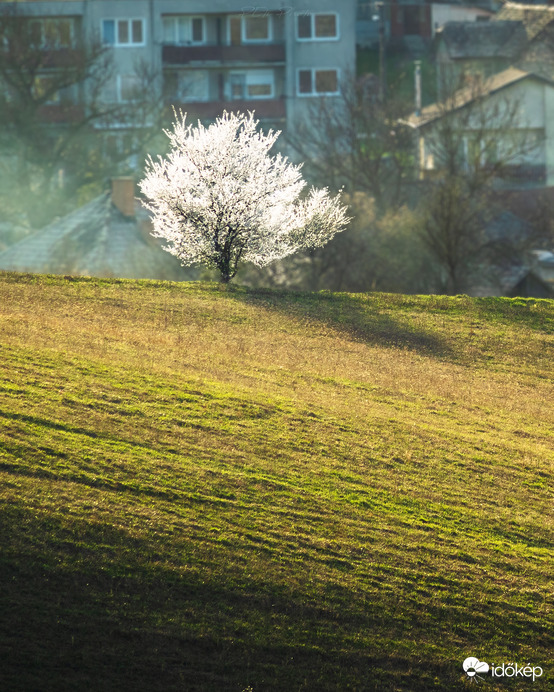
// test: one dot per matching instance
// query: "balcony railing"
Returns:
(62, 113)
(183, 55)
(62, 57)
(264, 108)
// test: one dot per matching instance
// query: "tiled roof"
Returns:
(479, 40)
(512, 263)
(533, 17)
(95, 240)
(468, 94)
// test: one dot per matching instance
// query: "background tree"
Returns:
(472, 140)
(379, 253)
(364, 143)
(359, 141)
(220, 198)
(416, 228)
(55, 116)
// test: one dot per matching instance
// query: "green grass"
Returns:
(209, 488)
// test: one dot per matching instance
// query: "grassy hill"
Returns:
(214, 489)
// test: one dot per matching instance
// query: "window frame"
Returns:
(247, 83)
(43, 21)
(178, 96)
(243, 38)
(129, 20)
(190, 18)
(313, 71)
(313, 37)
(119, 87)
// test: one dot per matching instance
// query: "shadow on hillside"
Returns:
(362, 318)
(89, 606)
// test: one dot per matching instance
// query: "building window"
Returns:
(256, 28)
(318, 82)
(44, 89)
(254, 84)
(183, 30)
(129, 88)
(124, 88)
(317, 27)
(52, 33)
(123, 32)
(187, 86)
(250, 29)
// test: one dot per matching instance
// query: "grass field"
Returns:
(210, 488)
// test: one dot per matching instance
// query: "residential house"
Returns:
(517, 35)
(108, 237)
(505, 118)
(513, 271)
(444, 12)
(410, 22)
(514, 277)
(544, 262)
(534, 17)
(538, 22)
(512, 109)
(468, 49)
(414, 22)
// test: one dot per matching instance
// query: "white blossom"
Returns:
(220, 198)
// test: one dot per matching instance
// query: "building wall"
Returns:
(337, 54)
(409, 18)
(440, 14)
(531, 131)
(128, 57)
(315, 55)
(451, 73)
(549, 135)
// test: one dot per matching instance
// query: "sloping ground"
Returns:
(210, 489)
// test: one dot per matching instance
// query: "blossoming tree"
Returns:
(220, 198)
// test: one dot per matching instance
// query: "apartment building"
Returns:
(208, 55)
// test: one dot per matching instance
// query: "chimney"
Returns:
(123, 195)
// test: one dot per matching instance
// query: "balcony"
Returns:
(185, 55)
(62, 57)
(61, 114)
(209, 110)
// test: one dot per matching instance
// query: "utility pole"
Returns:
(417, 77)
(380, 6)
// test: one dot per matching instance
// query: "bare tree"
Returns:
(56, 120)
(359, 141)
(362, 142)
(376, 254)
(469, 143)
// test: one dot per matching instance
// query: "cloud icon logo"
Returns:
(473, 666)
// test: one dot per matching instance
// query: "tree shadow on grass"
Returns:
(360, 317)
(88, 606)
